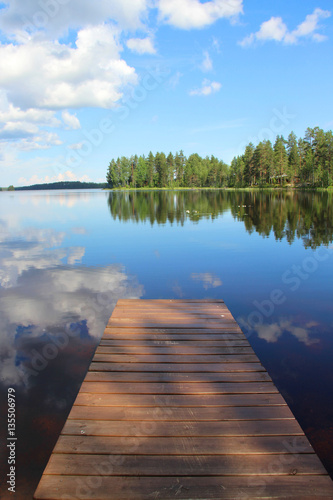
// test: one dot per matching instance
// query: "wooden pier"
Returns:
(176, 405)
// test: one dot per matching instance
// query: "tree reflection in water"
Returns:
(288, 215)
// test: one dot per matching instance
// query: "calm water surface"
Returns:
(66, 258)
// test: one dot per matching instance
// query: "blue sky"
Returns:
(83, 82)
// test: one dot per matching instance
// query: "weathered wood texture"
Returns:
(176, 405)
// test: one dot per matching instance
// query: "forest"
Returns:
(296, 162)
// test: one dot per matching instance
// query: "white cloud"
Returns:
(276, 29)
(57, 76)
(43, 140)
(309, 27)
(71, 121)
(206, 89)
(24, 126)
(189, 14)
(10, 113)
(207, 63)
(141, 45)
(53, 18)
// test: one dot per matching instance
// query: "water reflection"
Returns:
(64, 262)
(55, 305)
(288, 215)
(208, 280)
(274, 331)
(62, 198)
(53, 310)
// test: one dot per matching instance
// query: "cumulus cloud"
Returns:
(53, 18)
(57, 76)
(141, 45)
(12, 114)
(25, 126)
(43, 140)
(206, 89)
(309, 27)
(276, 29)
(71, 121)
(189, 14)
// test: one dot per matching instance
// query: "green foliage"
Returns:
(63, 185)
(161, 171)
(303, 162)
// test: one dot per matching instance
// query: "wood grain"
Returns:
(176, 404)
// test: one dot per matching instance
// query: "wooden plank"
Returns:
(187, 428)
(185, 445)
(133, 302)
(190, 487)
(171, 311)
(183, 414)
(170, 342)
(235, 400)
(176, 377)
(172, 334)
(195, 388)
(212, 324)
(174, 349)
(185, 465)
(173, 358)
(178, 367)
(177, 405)
(188, 313)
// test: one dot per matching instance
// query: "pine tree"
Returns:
(248, 164)
(280, 159)
(161, 169)
(141, 172)
(170, 169)
(151, 170)
(293, 157)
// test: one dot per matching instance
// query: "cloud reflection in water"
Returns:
(42, 293)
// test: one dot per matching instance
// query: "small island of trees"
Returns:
(296, 162)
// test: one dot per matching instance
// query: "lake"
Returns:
(66, 257)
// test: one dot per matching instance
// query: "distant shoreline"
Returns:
(62, 186)
(59, 186)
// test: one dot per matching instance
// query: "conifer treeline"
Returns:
(167, 171)
(305, 161)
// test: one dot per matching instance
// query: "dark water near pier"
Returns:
(67, 257)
